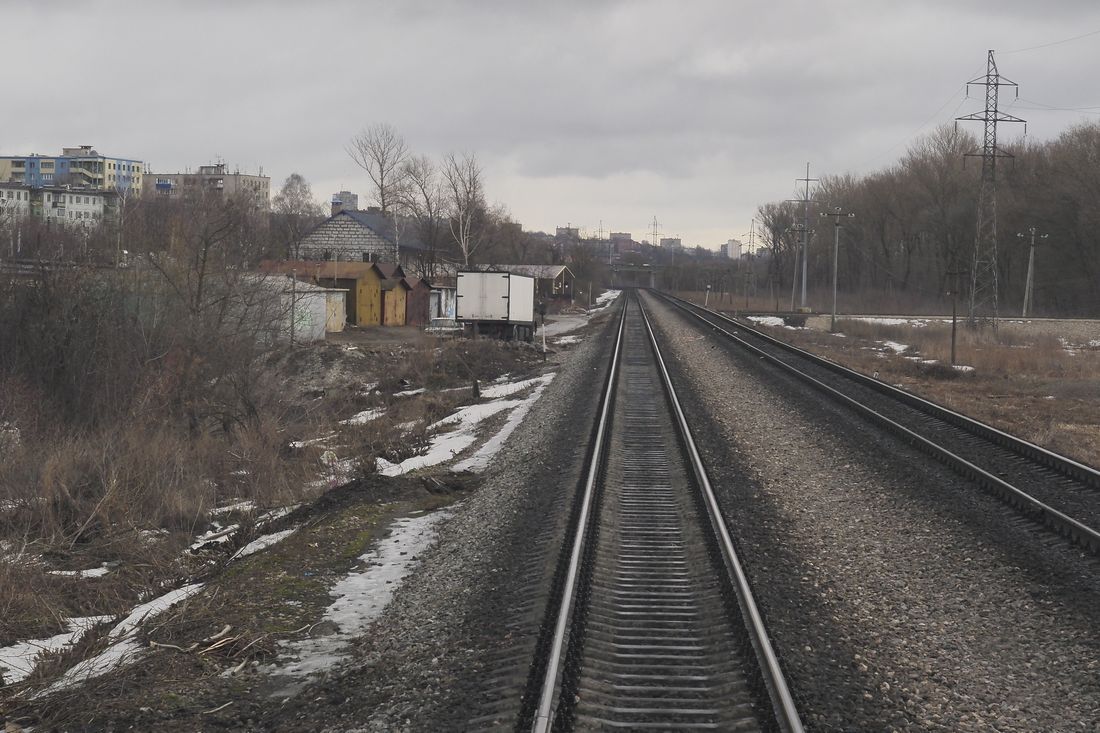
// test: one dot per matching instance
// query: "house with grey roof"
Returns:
(353, 235)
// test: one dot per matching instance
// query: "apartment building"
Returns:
(57, 204)
(214, 178)
(79, 167)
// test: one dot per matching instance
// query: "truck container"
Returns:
(497, 303)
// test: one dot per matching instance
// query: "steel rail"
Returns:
(544, 716)
(782, 701)
(1063, 464)
(1085, 535)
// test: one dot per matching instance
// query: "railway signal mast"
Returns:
(983, 273)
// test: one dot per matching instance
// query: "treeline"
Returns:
(914, 226)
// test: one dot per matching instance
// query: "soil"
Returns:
(269, 597)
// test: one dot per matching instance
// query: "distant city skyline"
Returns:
(574, 110)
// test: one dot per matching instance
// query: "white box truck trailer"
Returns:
(498, 304)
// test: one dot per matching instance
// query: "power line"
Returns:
(1053, 43)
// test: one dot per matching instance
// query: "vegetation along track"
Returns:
(1052, 489)
(656, 627)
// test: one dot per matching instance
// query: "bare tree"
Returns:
(423, 197)
(465, 201)
(381, 151)
(294, 210)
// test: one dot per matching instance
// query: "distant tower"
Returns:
(983, 272)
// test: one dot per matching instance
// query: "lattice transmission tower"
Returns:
(983, 272)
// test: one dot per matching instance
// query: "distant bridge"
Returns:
(634, 276)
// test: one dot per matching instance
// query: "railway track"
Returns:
(1062, 494)
(655, 627)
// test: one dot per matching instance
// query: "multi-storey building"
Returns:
(80, 167)
(342, 200)
(15, 202)
(731, 249)
(214, 178)
(58, 204)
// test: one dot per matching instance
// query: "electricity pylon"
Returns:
(983, 273)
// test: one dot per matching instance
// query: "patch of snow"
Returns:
(409, 392)
(89, 573)
(240, 506)
(311, 441)
(125, 646)
(366, 416)
(360, 598)
(217, 534)
(504, 390)
(567, 340)
(895, 346)
(557, 325)
(839, 335)
(767, 320)
(479, 460)
(262, 543)
(963, 367)
(18, 660)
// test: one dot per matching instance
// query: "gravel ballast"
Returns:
(424, 664)
(899, 596)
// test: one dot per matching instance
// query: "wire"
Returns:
(1052, 43)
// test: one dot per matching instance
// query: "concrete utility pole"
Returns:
(836, 214)
(1029, 292)
(805, 229)
(983, 274)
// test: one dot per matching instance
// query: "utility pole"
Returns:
(1029, 291)
(983, 273)
(836, 214)
(805, 201)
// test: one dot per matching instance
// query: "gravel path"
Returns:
(900, 597)
(423, 665)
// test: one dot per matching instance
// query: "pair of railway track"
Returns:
(656, 626)
(1051, 489)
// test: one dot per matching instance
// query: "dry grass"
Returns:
(1028, 385)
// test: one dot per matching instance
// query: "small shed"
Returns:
(443, 299)
(394, 293)
(551, 281)
(307, 311)
(361, 280)
(417, 302)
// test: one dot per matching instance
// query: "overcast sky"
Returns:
(693, 112)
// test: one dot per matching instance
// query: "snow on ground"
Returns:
(963, 367)
(767, 320)
(366, 416)
(606, 298)
(557, 325)
(360, 598)
(262, 543)
(18, 660)
(567, 340)
(238, 506)
(445, 446)
(508, 388)
(89, 573)
(125, 646)
(409, 392)
(479, 460)
(895, 346)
